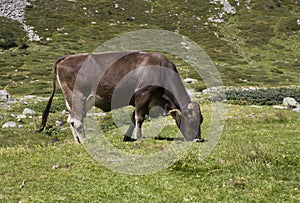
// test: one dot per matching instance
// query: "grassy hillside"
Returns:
(257, 46)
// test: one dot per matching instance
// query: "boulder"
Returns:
(28, 111)
(290, 102)
(4, 96)
(9, 125)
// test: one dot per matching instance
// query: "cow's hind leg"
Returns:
(128, 134)
(141, 109)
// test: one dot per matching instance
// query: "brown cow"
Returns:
(116, 79)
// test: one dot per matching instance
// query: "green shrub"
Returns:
(271, 96)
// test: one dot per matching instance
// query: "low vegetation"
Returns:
(255, 160)
(257, 156)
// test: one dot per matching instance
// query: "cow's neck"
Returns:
(177, 102)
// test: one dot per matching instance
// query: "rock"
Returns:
(64, 112)
(29, 97)
(20, 118)
(28, 111)
(9, 125)
(59, 123)
(4, 96)
(296, 110)
(54, 167)
(210, 90)
(290, 102)
(279, 107)
(130, 18)
(191, 81)
(255, 106)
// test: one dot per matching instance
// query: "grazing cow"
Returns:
(112, 80)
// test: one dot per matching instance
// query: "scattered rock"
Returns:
(191, 81)
(15, 10)
(9, 125)
(28, 111)
(290, 102)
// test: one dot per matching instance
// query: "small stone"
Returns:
(20, 118)
(28, 111)
(9, 125)
(55, 167)
(59, 123)
(13, 115)
(131, 18)
(191, 81)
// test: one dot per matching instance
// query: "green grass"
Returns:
(256, 160)
(257, 157)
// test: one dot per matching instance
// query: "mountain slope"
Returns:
(252, 43)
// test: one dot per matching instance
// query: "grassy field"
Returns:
(256, 160)
(257, 156)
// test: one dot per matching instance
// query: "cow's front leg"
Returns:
(139, 119)
(76, 128)
(77, 115)
(128, 134)
(142, 100)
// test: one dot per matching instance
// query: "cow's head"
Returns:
(188, 121)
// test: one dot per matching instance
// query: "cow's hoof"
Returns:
(128, 139)
(198, 140)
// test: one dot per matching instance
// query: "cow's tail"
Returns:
(47, 109)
